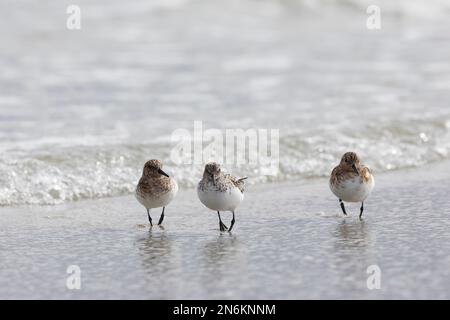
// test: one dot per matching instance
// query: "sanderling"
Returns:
(155, 188)
(351, 181)
(220, 192)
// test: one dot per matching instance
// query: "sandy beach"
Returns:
(294, 244)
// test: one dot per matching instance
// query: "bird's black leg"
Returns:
(342, 207)
(222, 226)
(361, 210)
(162, 217)
(232, 223)
(149, 218)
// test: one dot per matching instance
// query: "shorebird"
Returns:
(220, 192)
(351, 181)
(155, 188)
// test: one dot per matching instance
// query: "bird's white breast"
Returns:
(226, 200)
(353, 190)
(160, 200)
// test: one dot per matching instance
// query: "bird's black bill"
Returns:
(355, 169)
(163, 173)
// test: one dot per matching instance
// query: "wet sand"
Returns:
(290, 242)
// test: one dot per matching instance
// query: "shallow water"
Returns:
(81, 111)
(292, 246)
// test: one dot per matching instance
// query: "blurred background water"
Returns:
(82, 110)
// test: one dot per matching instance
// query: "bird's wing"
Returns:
(237, 182)
(366, 173)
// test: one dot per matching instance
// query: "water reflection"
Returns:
(155, 250)
(352, 234)
(225, 265)
(159, 263)
(221, 249)
(353, 253)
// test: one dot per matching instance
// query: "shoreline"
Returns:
(415, 173)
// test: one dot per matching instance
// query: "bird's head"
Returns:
(351, 160)
(154, 168)
(212, 169)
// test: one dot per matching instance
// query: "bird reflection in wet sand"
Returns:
(155, 251)
(353, 234)
(159, 265)
(352, 252)
(221, 249)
